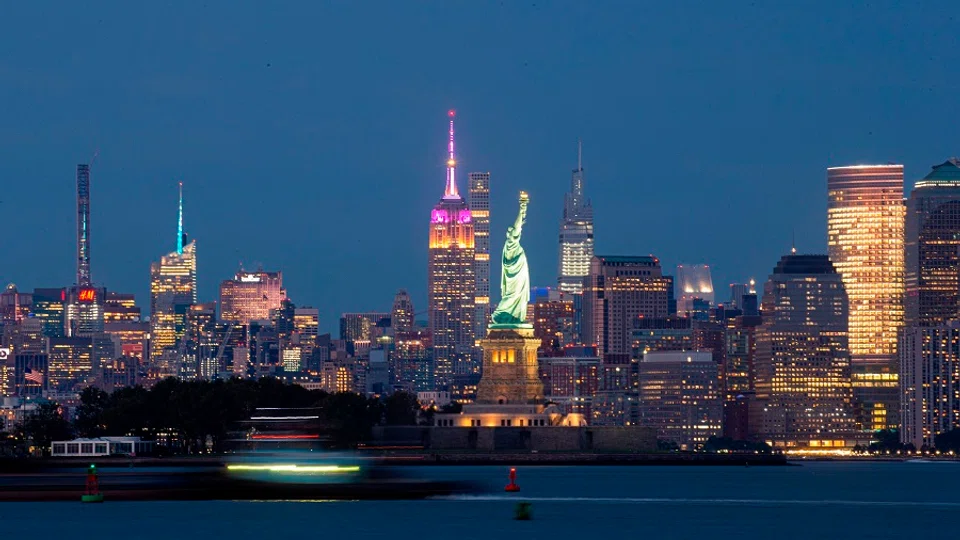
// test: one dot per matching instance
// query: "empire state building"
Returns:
(451, 287)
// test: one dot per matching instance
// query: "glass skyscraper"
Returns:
(173, 288)
(933, 247)
(576, 234)
(865, 216)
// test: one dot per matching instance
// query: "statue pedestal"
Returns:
(510, 369)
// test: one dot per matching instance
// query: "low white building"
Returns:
(101, 446)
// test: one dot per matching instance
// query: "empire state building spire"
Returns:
(451, 190)
(452, 287)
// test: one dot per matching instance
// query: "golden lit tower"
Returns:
(452, 283)
(173, 288)
(865, 219)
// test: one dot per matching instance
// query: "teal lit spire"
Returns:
(180, 223)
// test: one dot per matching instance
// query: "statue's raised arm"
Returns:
(515, 276)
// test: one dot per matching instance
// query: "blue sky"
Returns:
(310, 136)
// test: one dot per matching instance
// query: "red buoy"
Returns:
(512, 486)
(92, 493)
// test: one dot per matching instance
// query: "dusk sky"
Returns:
(310, 136)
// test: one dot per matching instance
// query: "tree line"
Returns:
(192, 417)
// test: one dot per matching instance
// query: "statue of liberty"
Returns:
(511, 312)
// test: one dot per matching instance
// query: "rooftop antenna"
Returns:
(451, 190)
(793, 242)
(180, 223)
(579, 154)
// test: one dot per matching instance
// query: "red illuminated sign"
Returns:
(87, 295)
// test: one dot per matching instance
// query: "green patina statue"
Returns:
(511, 312)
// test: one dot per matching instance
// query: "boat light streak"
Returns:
(284, 437)
(296, 468)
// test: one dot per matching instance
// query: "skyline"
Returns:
(863, 103)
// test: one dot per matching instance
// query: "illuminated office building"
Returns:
(361, 326)
(199, 346)
(571, 382)
(933, 247)
(14, 305)
(70, 362)
(131, 336)
(452, 284)
(410, 361)
(48, 307)
(306, 329)
(660, 334)
(929, 377)
(480, 212)
(83, 311)
(865, 221)
(693, 283)
(306, 323)
(739, 290)
(401, 316)
(680, 396)
(576, 233)
(739, 370)
(802, 358)
(120, 307)
(173, 288)
(618, 291)
(250, 296)
(552, 317)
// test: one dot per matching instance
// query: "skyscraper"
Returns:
(48, 307)
(120, 307)
(401, 316)
(619, 290)
(693, 283)
(739, 290)
(680, 396)
(14, 305)
(802, 359)
(83, 312)
(929, 377)
(83, 225)
(452, 283)
(576, 233)
(83, 309)
(865, 220)
(360, 326)
(933, 247)
(173, 288)
(480, 212)
(250, 296)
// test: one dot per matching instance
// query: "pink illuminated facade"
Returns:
(250, 296)
(451, 286)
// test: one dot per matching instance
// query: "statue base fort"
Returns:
(510, 394)
(510, 368)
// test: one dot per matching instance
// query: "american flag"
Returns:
(34, 376)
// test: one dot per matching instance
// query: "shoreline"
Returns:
(417, 458)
